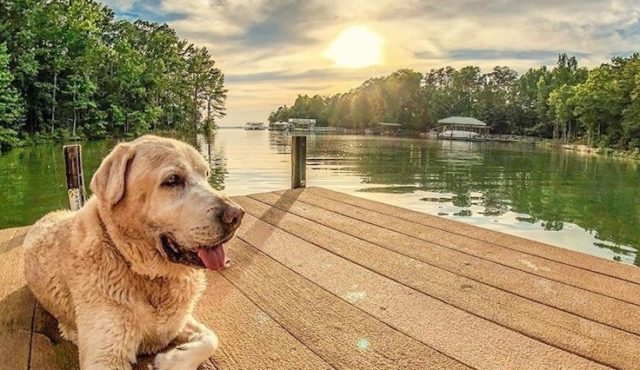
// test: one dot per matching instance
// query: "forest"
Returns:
(70, 69)
(599, 107)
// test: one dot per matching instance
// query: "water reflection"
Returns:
(280, 142)
(587, 204)
(583, 203)
(205, 143)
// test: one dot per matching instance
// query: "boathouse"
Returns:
(303, 123)
(386, 128)
(469, 124)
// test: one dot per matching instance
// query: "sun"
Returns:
(355, 47)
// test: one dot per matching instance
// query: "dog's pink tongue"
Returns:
(213, 258)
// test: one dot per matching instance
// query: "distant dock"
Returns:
(324, 280)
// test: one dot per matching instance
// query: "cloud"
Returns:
(493, 54)
(119, 5)
(281, 24)
(284, 75)
(271, 50)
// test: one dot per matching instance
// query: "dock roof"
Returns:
(467, 121)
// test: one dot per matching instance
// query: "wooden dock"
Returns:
(324, 280)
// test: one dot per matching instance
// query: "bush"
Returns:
(8, 139)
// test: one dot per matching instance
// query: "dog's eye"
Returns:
(173, 180)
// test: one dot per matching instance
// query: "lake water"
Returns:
(588, 204)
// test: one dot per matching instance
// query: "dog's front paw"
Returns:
(188, 356)
(173, 360)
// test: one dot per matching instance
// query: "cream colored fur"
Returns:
(102, 271)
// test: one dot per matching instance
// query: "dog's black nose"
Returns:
(232, 215)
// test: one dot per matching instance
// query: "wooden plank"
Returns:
(596, 307)
(249, 337)
(472, 340)
(602, 284)
(565, 256)
(12, 238)
(298, 161)
(7, 234)
(16, 304)
(561, 329)
(338, 332)
(49, 351)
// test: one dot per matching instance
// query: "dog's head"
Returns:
(155, 191)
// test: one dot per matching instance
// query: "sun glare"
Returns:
(355, 47)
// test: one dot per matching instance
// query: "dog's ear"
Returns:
(110, 180)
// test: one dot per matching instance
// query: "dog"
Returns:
(123, 274)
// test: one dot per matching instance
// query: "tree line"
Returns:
(600, 106)
(69, 68)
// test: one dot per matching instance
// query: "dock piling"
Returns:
(74, 175)
(298, 161)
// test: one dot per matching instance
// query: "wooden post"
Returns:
(75, 177)
(298, 161)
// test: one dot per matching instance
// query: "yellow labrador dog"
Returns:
(123, 273)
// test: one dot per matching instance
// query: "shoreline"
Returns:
(583, 149)
(580, 149)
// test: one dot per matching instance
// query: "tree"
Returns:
(494, 97)
(78, 70)
(597, 103)
(361, 114)
(561, 105)
(81, 89)
(628, 76)
(214, 95)
(11, 109)
(565, 102)
(631, 120)
(282, 114)
(525, 101)
(465, 87)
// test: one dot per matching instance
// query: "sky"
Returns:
(270, 51)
